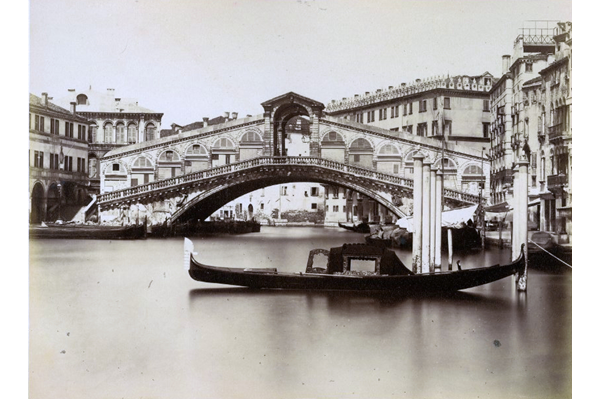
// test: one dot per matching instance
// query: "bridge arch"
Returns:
(221, 191)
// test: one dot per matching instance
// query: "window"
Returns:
(435, 103)
(115, 167)
(38, 159)
(42, 123)
(68, 129)
(486, 105)
(336, 208)
(37, 122)
(314, 191)
(486, 129)
(284, 190)
(409, 129)
(422, 105)
(356, 157)
(313, 206)
(396, 168)
(52, 126)
(529, 67)
(434, 128)
(410, 108)
(150, 132)
(68, 163)
(448, 127)
(404, 109)
(422, 129)
(131, 133)
(447, 103)
(335, 192)
(82, 99)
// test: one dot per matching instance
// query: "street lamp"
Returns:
(59, 186)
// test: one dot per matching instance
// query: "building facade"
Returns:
(58, 160)
(117, 122)
(531, 117)
(456, 108)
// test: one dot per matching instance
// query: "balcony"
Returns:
(557, 181)
(557, 133)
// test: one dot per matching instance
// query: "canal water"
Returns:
(114, 319)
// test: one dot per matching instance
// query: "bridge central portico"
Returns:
(192, 174)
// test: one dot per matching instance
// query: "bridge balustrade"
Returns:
(171, 183)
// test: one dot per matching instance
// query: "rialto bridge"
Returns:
(192, 174)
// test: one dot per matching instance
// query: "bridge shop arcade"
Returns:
(190, 175)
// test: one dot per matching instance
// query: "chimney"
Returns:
(73, 107)
(45, 99)
(418, 80)
(367, 93)
(226, 115)
(234, 115)
(505, 63)
(248, 115)
(204, 122)
(403, 84)
(356, 96)
(390, 87)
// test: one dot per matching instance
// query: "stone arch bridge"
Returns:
(195, 172)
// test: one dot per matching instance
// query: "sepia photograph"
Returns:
(299, 199)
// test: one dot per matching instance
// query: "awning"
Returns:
(456, 219)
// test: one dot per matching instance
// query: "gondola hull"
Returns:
(450, 281)
(88, 232)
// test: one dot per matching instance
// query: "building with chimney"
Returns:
(58, 160)
(117, 122)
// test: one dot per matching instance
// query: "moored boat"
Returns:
(82, 231)
(387, 273)
(363, 227)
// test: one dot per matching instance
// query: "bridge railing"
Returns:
(173, 183)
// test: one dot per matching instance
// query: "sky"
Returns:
(194, 59)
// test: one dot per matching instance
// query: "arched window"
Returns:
(251, 145)
(223, 152)
(150, 132)
(361, 153)
(142, 171)
(251, 137)
(332, 139)
(82, 99)
(121, 134)
(115, 177)
(169, 164)
(223, 143)
(196, 158)
(389, 150)
(472, 180)
(108, 132)
(389, 159)
(361, 144)
(131, 133)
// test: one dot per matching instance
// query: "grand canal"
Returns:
(112, 319)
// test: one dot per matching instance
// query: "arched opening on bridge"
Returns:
(449, 169)
(196, 158)
(389, 159)
(223, 152)
(281, 122)
(472, 179)
(142, 171)
(281, 125)
(361, 153)
(169, 164)
(251, 145)
(297, 137)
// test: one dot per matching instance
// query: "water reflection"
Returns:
(138, 326)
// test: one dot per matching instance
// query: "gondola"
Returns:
(388, 274)
(363, 227)
(77, 231)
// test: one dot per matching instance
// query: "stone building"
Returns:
(531, 116)
(117, 122)
(456, 107)
(58, 159)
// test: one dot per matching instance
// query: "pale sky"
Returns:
(193, 59)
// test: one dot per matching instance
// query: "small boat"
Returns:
(388, 273)
(82, 231)
(363, 227)
(543, 250)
